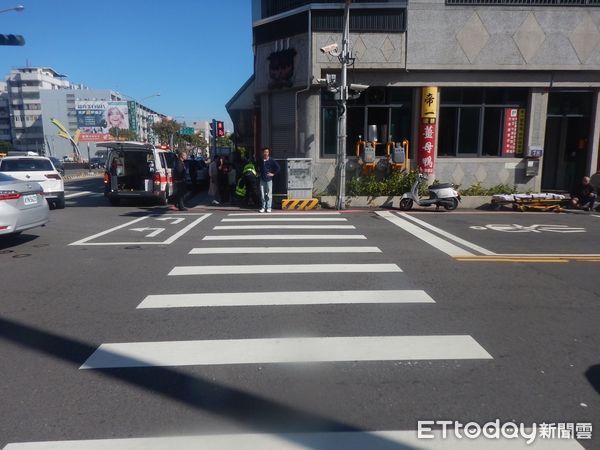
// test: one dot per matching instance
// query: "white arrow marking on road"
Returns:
(156, 231)
(175, 220)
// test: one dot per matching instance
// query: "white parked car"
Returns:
(38, 169)
(22, 205)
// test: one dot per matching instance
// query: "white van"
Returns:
(137, 170)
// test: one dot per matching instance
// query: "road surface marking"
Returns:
(284, 350)
(270, 269)
(284, 298)
(253, 250)
(299, 214)
(78, 194)
(450, 236)
(287, 237)
(173, 238)
(287, 219)
(430, 238)
(346, 440)
(284, 227)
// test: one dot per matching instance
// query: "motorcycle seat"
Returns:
(441, 186)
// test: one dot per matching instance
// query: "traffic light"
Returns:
(220, 129)
(12, 39)
(212, 128)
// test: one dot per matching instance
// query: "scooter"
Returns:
(443, 194)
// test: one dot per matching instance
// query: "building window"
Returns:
(472, 120)
(379, 114)
(329, 131)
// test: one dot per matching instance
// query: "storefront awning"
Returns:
(243, 99)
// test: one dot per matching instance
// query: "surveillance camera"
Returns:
(358, 87)
(329, 49)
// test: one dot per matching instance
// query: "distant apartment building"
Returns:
(37, 95)
(4, 114)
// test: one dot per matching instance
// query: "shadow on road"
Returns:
(248, 409)
(593, 376)
(9, 241)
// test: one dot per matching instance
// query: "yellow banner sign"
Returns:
(429, 102)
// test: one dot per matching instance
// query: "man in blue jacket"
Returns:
(268, 168)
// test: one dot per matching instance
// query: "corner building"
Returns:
(513, 77)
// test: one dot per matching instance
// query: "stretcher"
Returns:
(531, 202)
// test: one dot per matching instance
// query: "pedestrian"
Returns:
(268, 168)
(179, 184)
(223, 179)
(213, 187)
(584, 195)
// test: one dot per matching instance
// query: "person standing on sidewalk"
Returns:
(179, 174)
(268, 168)
(213, 187)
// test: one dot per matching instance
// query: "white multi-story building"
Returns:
(36, 95)
(4, 114)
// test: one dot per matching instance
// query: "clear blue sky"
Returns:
(196, 53)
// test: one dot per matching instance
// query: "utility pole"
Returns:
(344, 58)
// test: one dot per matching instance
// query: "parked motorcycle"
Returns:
(443, 194)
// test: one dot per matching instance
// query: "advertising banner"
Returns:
(426, 152)
(427, 125)
(514, 132)
(429, 102)
(96, 118)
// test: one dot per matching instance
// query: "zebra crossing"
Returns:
(282, 350)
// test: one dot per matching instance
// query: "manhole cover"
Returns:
(4, 252)
(22, 255)
(133, 247)
(40, 245)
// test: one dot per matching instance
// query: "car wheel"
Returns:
(114, 201)
(60, 203)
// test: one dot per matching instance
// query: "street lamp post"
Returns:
(344, 58)
(18, 8)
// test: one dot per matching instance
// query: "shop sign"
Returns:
(426, 153)
(514, 132)
(429, 102)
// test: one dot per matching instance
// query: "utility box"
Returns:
(299, 178)
(532, 167)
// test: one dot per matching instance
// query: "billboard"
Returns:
(96, 118)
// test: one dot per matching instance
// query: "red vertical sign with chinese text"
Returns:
(427, 124)
(509, 136)
(426, 147)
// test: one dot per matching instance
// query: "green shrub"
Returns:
(478, 189)
(394, 185)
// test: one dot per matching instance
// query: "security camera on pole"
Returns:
(344, 92)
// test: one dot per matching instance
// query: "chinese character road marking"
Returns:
(537, 228)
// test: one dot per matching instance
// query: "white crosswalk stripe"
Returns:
(284, 350)
(287, 219)
(282, 237)
(340, 440)
(281, 250)
(284, 298)
(270, 269)
(284, 227)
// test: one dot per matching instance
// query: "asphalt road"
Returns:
(479, 337)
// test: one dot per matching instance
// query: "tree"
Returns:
(123, 134)
(195, 140)
(226, 141)
(5, 147)
(165, 129)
